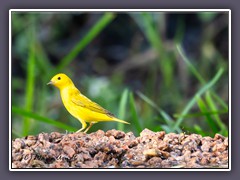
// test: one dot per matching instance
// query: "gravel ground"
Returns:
(116, 149)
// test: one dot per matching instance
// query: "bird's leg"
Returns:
(79, 130)
(90, 125)
(84, 125)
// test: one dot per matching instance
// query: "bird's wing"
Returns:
(80, 100)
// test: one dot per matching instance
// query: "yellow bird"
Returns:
(79, 105)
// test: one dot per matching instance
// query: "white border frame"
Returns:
(117, 10)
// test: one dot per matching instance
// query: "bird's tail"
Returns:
(121, 121)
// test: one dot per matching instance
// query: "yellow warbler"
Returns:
(79, 105)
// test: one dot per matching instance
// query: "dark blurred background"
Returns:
(130, 63)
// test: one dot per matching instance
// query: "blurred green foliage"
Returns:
(156, 85)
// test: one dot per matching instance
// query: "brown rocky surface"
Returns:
(116, 149)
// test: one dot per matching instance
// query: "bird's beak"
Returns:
(50, 82)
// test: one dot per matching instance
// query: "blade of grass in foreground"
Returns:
(213, 107)
(30, 83)
(198, 75)
(199, 130)
(153, 36)
(165, 116)
(37, 117)
(200, 114)
(223, 104)
(93, 32)
(151, 32)
(189, 64)
(166, 128)
(135, 118)
(203, 107)
(199, 93)
(122, 108)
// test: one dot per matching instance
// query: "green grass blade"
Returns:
(42, 60)
(202, 106)
(199, 130)
(189, 64)
(37, 117)
(180, 31)
(30, 83)
(166, 128)
(165, 116)
(199, 93)
(151, 32)
(223, 104)
(135, 118)
(122, 108)
(198, 75)
(154, 38)
(213, 107)
(224, 132)
(94, 31)
(201, 114)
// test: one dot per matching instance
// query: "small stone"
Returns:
(147, 132)
(219, 136)
(226, 142)
(219, 147)
(165, 154)
(151, 152)
(31, 137)
(29, 142)
(69, 151)
(116, 134)
(43, 137)
(17, 145)
(38, 164)
(205, 147)
(17, 156)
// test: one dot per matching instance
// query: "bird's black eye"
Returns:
(59, 78)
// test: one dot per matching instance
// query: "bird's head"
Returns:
(60, 81)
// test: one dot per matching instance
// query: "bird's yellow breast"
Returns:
(69, 105)
(80, 112)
